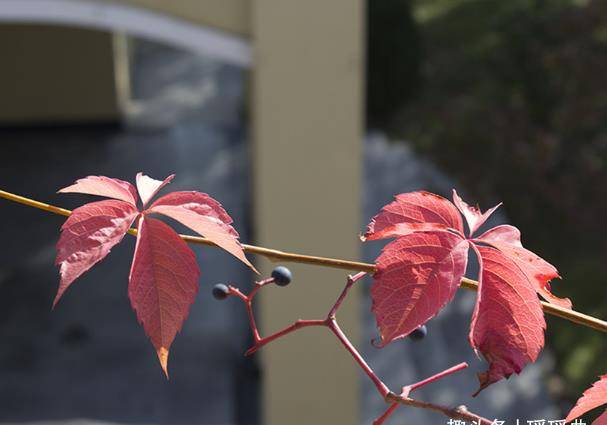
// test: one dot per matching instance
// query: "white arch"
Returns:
(131, 20)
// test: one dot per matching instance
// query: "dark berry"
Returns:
(282, 276)
(419, 333)
(220, 291)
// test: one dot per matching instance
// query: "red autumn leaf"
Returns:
(592, 398)
(201, 203)
(540, 272)
(601, 420)
(162, 284)
(508, 322)
(417, 275)
(148, 187)
(88, 235)
(503, 233)
(473, 215)
(412, 212)
(164, 274)
(104, 186)
(205, 216)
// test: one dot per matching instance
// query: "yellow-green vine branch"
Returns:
(276, 255)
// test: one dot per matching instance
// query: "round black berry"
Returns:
(220, 291)
(282, 276)
(419, 333)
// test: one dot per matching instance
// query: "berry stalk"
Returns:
(282, 276)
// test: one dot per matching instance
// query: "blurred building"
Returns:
(260, 103)
(257, 102)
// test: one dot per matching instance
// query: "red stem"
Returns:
(409, 388)
(438, 376)
(248, 301)
(251, 315)
(331, 323)
(386, 414)
(260, 342)
(258, 286)
(351, 281)
(455, 413)
(236, 292)
(381, 387)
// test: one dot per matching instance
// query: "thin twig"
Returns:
(379, 384)
(298, 324)
(351, 281)
(450, 412)
(276, 255)
(384, 417)
(408, 389)
(331, 323)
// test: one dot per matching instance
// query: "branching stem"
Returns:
(452, 412)
(412, 387)
(291, 328)
(381, 387)
(330, 322)
(351, 281)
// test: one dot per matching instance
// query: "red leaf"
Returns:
(205, 216)
(148, 187)
(201, 203)
(104, 186)
(164, 275)
(417, 275)
(503, 233)
(508, 323)
(601, 420)
(88, 235)
(473, 215)
(412, 212)
(162, 284)
(592, 398)
(540, 272)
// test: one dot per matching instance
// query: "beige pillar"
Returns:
(307, 119)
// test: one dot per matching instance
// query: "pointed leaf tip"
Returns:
(508, 322)
(205, 216)
(87, 237)
(507, 239)
(104, 186)
(149, 187)
(163, 283)
(593, 397)
(163, 358)
(473, 215)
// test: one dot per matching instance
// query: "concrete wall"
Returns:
(307, 109)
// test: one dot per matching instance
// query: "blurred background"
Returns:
(303, 119)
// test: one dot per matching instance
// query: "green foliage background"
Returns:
(510, 98)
